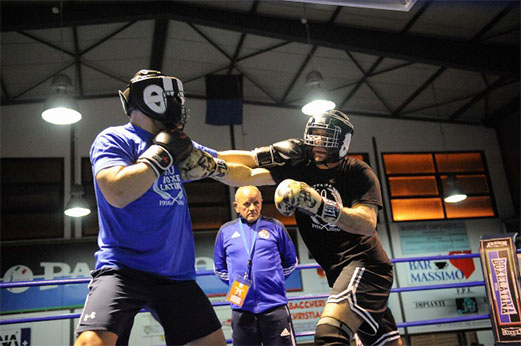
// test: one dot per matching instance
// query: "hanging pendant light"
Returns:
(61, 108)
(318, 100)
(453, 194)
(77, 205)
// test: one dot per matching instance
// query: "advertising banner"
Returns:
(498, 258)
(439, 238)
(75, 260)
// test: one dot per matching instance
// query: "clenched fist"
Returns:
(292, 194)
(199, 165)
(280, 153)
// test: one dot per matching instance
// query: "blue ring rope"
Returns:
(299, 267)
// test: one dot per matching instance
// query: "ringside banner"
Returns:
(501, 272)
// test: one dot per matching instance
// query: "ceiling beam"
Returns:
(158, 44)
(474, 56)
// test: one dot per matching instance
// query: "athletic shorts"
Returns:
(271, 327)
(116, 295)
(366, 289)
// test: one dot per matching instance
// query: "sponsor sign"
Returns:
(13, 336)
(306, 313)
(75, 260)
(50, 261)
(498, 257)
(433, 237)
(425, 272)
(436, 238)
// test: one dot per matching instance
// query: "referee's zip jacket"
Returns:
(273, 259)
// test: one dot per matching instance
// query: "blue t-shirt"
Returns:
(154, 232)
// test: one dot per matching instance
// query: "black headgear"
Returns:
(330, 130)
(158, 96)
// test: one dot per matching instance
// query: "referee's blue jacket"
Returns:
(273, 260)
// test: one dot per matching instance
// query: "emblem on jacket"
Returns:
(264, 234)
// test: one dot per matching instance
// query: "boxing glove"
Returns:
(168, 147)
(279, 153)
(291, 195)
(199, 165)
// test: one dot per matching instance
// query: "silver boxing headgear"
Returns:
(158, 96)
(330, 130)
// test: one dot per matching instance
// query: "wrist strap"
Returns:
(221, 169)
(330, 211)
(158, 158)
(264, 157)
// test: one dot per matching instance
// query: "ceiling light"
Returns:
(453, 193)
(61, 108)
(77, 205)
(317, 99)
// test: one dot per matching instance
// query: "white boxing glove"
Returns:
(199, 165)
(291, 194)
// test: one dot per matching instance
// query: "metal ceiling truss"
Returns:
(368, 74)
(471, 55)
(244, 73)
(474, 56)
(308, 58)
(241, 40)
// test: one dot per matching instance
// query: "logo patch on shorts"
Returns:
(285, 332)
(92, 316)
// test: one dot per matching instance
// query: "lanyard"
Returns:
(250, 251)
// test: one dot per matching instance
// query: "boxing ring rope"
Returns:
(210, 272)
(305, 297)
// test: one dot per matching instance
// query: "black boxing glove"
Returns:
(169, 147)
(279, 153)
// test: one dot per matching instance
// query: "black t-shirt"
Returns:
(350, 183)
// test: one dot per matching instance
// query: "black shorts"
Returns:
(366, 289)
(271, 327)
(116, 295)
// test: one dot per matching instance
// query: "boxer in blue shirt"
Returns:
(146, 250)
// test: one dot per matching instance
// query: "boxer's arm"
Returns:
(244, 157)
(360, 219)
(240, 175)
(277, 154)
(122, 185)
(200, 165)
(291, 195)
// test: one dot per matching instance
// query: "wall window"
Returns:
(32, 198)
(417, 182)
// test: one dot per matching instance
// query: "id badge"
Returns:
(239, 290)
